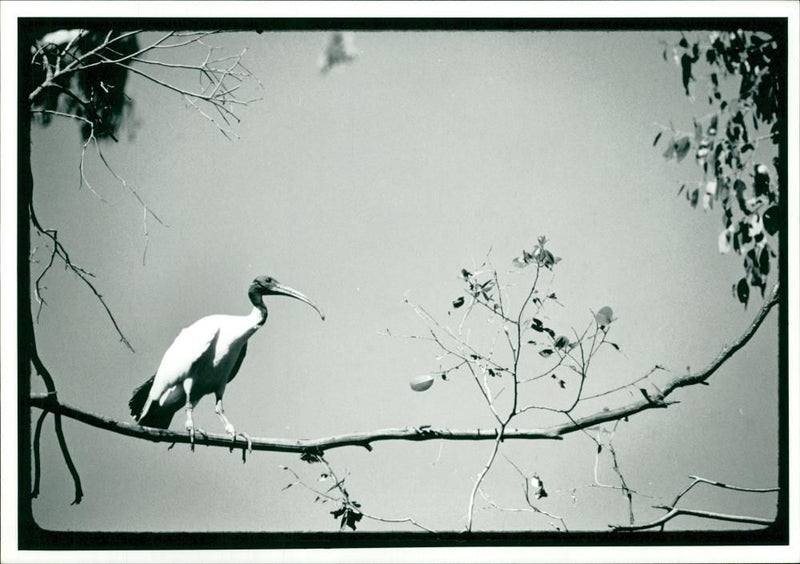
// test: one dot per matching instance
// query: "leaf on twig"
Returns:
(561, 342)
(311, 456)
(658, 136)
(537, 487)
(682, 147)
(604, 316)
(742, 291)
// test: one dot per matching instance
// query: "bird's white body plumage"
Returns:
(202, 360)
(205, 352)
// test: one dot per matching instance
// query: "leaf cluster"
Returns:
(348, 514)
(725, 143)
(93, 91)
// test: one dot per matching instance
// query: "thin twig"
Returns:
(676, 512)
(79, 272)
(481, 475)
(525, 510)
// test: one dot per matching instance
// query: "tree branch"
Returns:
(362, 439)
(424, 433)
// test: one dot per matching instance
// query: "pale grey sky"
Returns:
(380, 180)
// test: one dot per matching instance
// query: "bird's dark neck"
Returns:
(258, 302)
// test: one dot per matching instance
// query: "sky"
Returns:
(374, 183)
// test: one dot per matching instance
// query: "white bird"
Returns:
(203, 358)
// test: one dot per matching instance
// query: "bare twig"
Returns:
(38, 285)
(344, 496)
(698, 480)
(618, 388)
(528, 500)
(673, 511)
(676, 512)
(481, 476)
(79, 272)
(531, 509)
(339, 485)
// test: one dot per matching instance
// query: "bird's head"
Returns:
(268, 286)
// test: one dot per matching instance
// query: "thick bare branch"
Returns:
(363, 439)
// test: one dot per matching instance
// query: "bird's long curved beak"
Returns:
(281, 290)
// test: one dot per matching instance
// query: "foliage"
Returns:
(726, 144)
(69, 67)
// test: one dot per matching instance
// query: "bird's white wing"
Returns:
(191, 344)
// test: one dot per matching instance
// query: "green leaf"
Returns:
(458, 302)
(545, 352)
(658, 136)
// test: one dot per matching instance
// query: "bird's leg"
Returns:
(220, 411)
(187, 388)
(229, 428)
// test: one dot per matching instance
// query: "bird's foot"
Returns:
(247, 438)
(192, 430)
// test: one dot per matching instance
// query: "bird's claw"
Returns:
(246, 437)
(192, 430)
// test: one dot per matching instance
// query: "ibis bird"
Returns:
(204, 357)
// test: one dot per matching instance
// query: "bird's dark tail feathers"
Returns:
(156, 416)
(139, 398)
